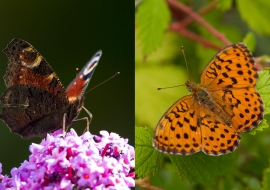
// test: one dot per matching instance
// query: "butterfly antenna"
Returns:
(187, 73)
(104, 82)
(171, 87)
(186, 62)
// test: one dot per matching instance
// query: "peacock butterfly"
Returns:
(35, 100)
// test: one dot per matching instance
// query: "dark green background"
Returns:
(67, 34)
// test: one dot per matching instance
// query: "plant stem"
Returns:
(200, 20)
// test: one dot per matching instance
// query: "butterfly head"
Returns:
(191, 86)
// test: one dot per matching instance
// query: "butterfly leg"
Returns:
(90, 116)
(86, 118)
(82, 119)
(64, 122)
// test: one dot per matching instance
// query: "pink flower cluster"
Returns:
(75, 162)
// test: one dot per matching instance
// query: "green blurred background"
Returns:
(67, 34)
(159, 62)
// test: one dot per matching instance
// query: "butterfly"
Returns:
(35, 101)
(223, 105)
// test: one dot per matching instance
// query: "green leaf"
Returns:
(260, 127)
(167, 178)
(250, 41)
(263, 86)
(147, 159)
(167, 52)
(200, 167)
(153, 17)
(224, 4)
(254, 13)
(266, 179)
(252, 182)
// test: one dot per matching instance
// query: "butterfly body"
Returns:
(200, 94)
(212, 117)
(35, 100)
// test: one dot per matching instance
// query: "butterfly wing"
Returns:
(177, 131)
(230, 77)
(30, 111)
(188, 127)
(26, 66)
(78, 86)
(35, 99)
(233, 67)
(244, 106)
(217, 137)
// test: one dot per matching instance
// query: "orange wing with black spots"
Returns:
(217, 137)
(233, 67)
(177, 131)
(187, 127)
(225, 104)
(243, 106)
(230, 77)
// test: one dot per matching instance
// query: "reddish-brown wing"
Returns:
(26, 66)
(35, 100)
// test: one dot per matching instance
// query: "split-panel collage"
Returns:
(144, 95)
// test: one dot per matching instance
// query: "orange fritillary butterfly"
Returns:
(225, 104)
